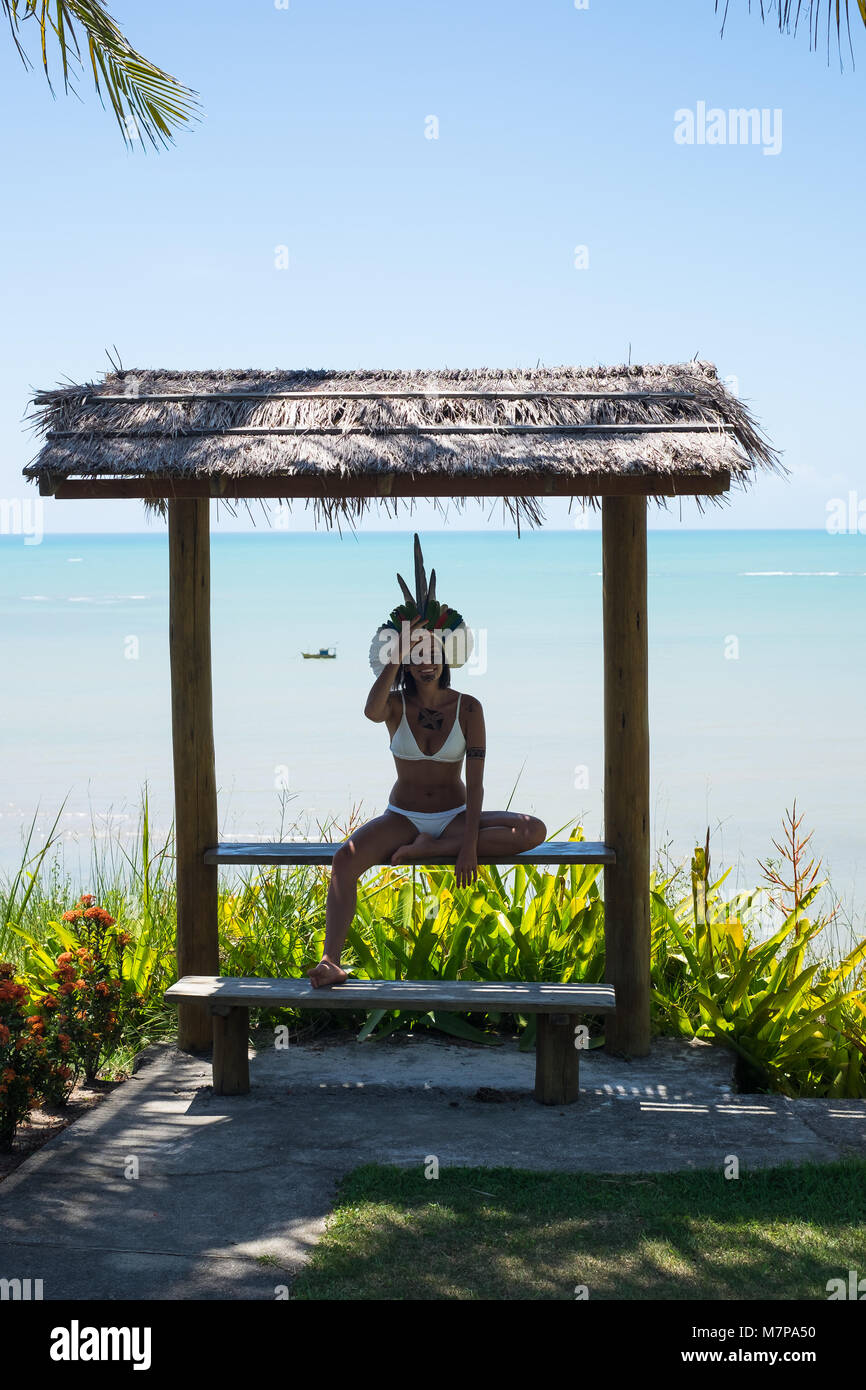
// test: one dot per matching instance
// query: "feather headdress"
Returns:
(454, 640)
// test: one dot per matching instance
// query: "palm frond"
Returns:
(148, 103)
(791, 15)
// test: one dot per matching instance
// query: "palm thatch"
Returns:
(570, 424)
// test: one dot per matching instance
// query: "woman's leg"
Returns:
(499, 832)
(370, 844)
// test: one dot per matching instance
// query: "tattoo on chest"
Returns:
(430, 719)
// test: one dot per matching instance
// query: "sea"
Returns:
(757, 676)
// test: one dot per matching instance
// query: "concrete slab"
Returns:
(165, 1190)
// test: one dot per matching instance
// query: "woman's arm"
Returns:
(466, 866)
(376, 707)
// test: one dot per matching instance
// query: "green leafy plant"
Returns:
(796, 1028)
(89, 995)
(26, 1069)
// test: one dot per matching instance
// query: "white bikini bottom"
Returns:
(428, 822)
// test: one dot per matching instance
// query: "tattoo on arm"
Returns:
(475, 752)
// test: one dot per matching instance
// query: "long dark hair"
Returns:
(406, 682)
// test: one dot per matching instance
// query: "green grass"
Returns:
(502, 1233)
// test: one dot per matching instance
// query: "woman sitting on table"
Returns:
(430, 811)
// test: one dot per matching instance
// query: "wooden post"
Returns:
(557, 1060)
(231, 1058)
(194, 769)
(626, 773)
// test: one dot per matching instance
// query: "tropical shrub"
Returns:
(26, 1069)
(795, 1025)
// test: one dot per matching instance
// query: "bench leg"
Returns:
(557, 1060)
(231, 1063)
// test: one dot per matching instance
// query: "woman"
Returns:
(432, 728)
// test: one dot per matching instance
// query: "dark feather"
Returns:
(407, 593)
(420, 578)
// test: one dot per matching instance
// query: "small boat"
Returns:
(323, 654)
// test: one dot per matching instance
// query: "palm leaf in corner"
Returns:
(789, 13)
(147, 102)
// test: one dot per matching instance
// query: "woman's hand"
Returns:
(466, 865)
(423, 645)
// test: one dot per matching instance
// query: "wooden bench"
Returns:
(557, 1057)
(310, 852)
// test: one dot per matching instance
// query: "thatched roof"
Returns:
(570, 430)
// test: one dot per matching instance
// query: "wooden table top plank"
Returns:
(515, 996)
(311, 852)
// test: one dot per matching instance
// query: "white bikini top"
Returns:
(405, 745)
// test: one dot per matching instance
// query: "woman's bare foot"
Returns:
(326, 973)
(420, 845)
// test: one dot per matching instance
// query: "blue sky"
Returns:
(556, 129)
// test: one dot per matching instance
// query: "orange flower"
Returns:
(82, 1013)
(80, 984)
(8, 1074)
(86, 899)
(69, 916)
(99, 914)
(66, 988)
(4, 1033)
(65, 958)
(65, 1072)
(50, 1002)
(102, 988)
